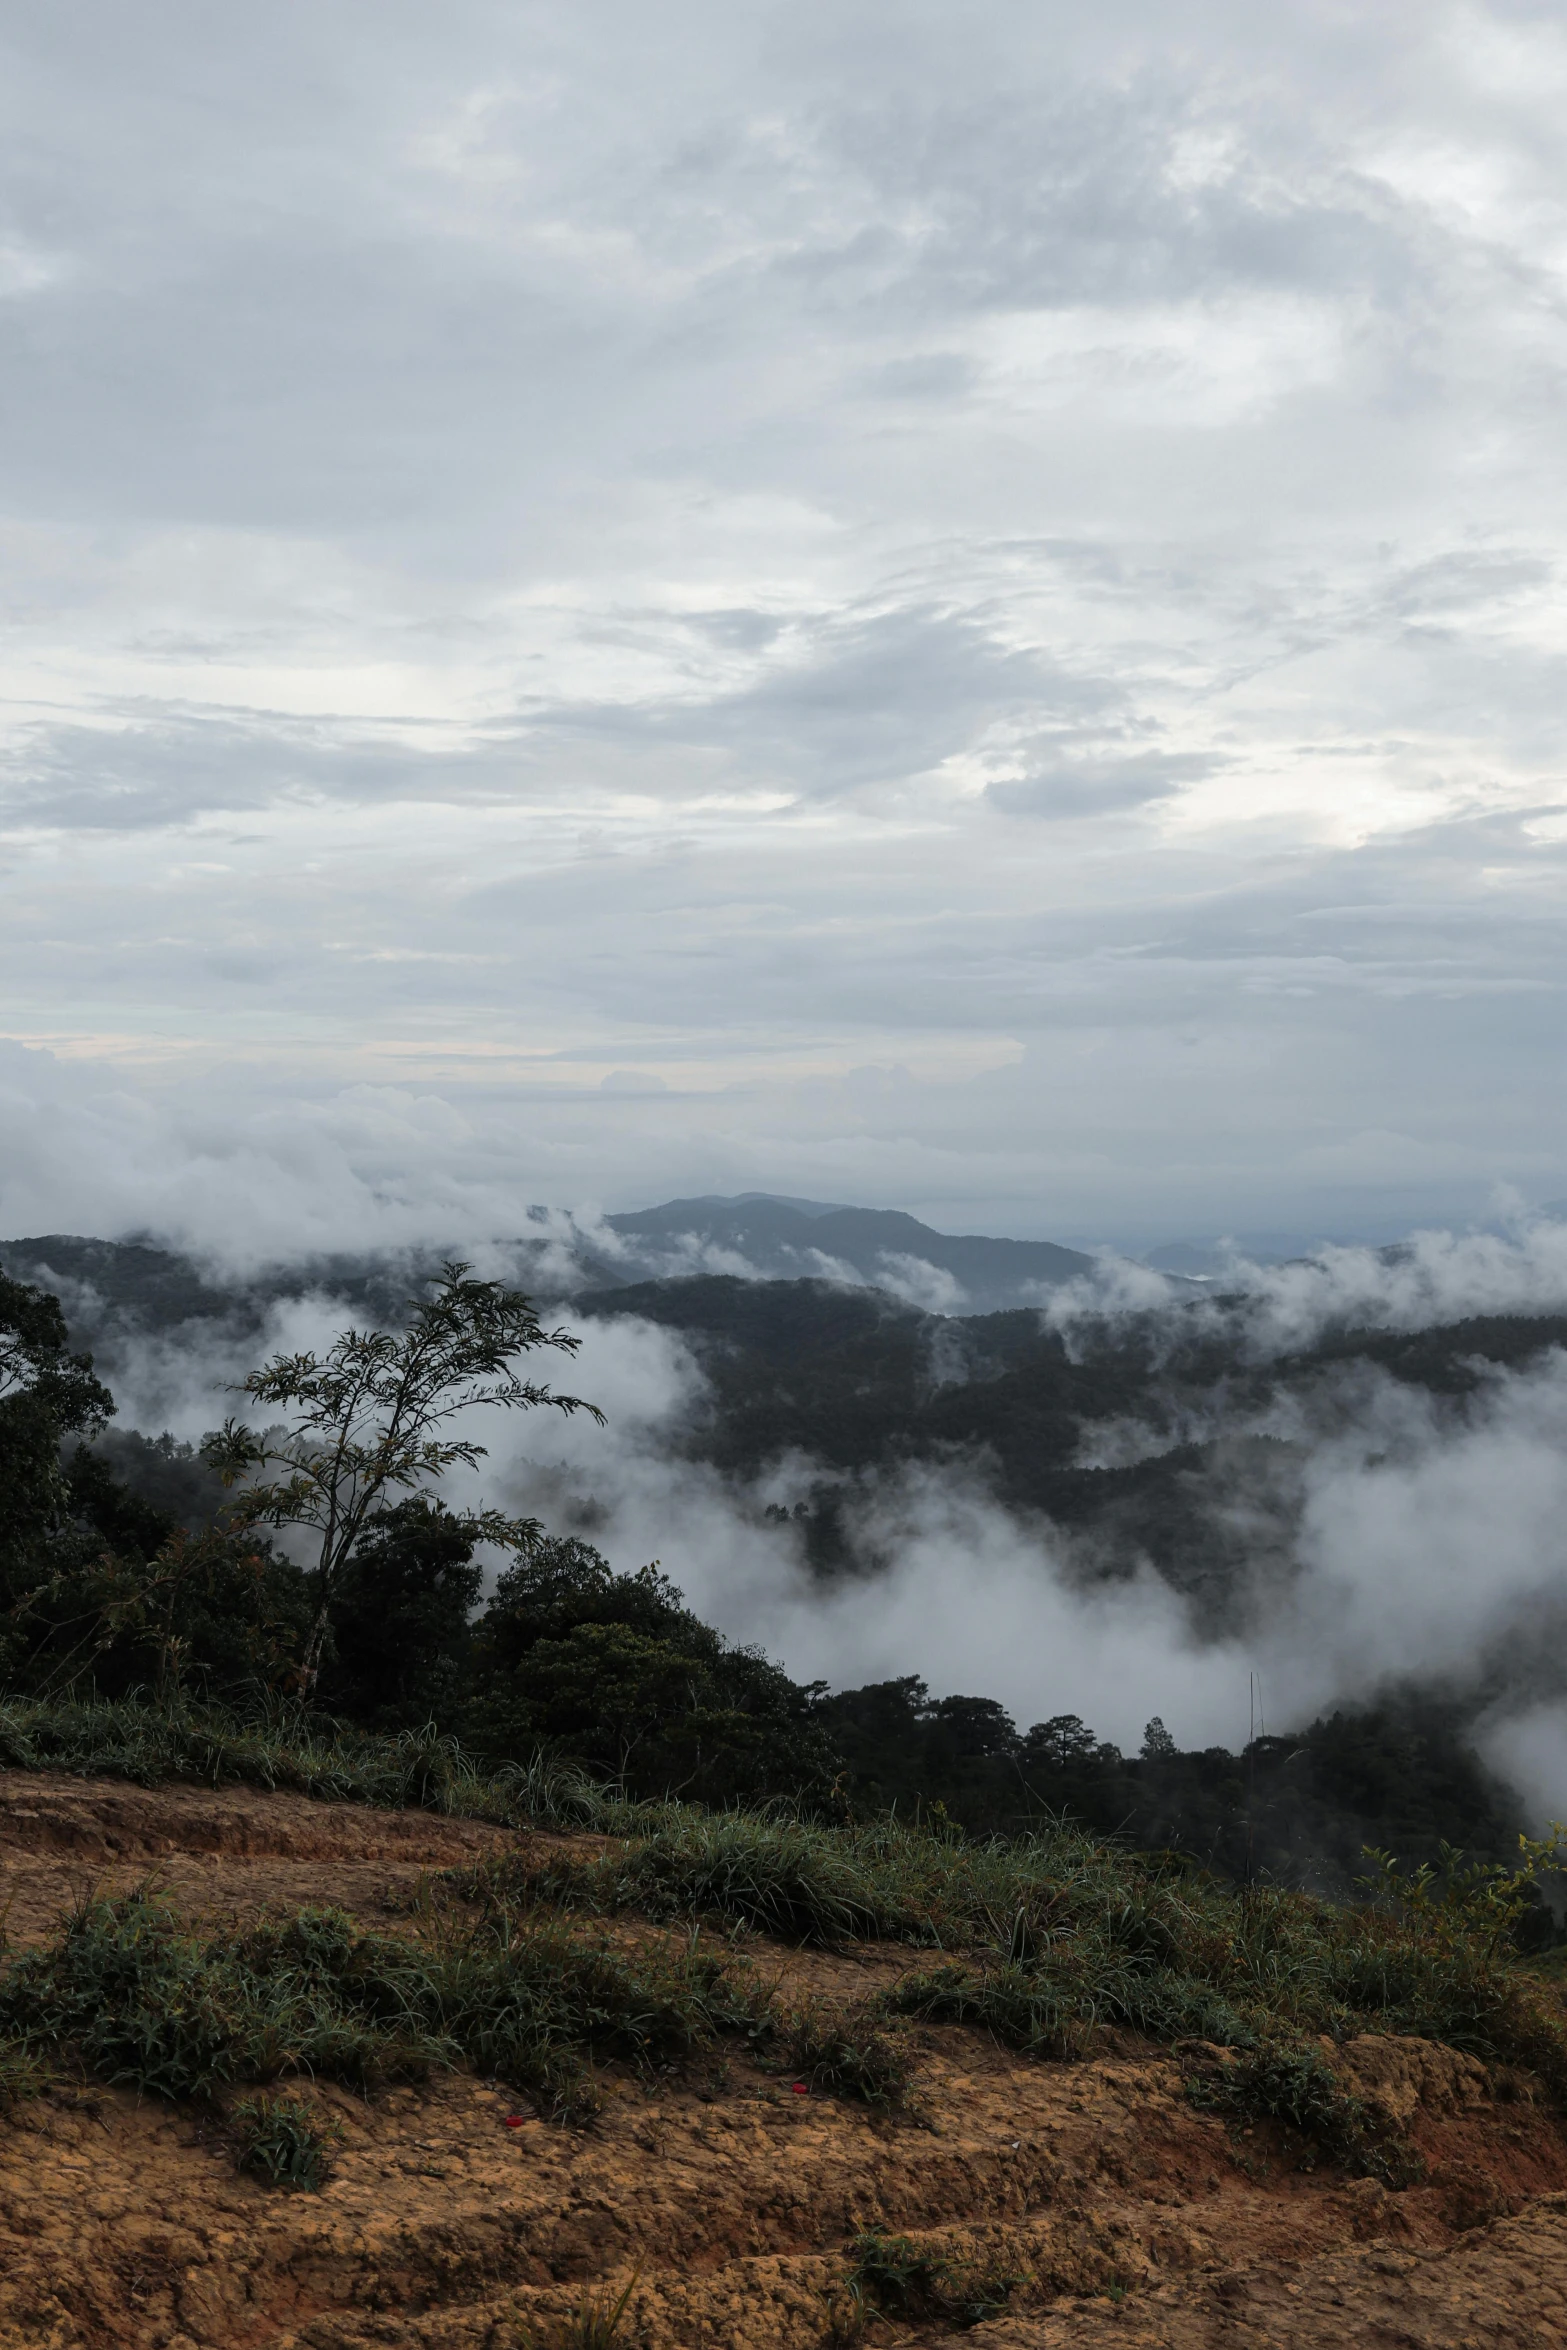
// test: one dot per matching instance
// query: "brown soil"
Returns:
(1131, 2218)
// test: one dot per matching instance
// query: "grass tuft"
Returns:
(284, 2141)
(918, 2283)
(594, 2324)
(1297, 2086)
(856, 2051)
(132, 1997)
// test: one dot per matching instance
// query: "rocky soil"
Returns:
(456, 2219)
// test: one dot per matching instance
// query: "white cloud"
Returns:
(784, 544)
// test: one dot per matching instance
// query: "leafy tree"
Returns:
(208, 1610)
(1063, 1743)
(400, 1640)
(46, 1394)
(619, 1671)
(372, 1419)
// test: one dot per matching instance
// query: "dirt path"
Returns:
(1138, 2220)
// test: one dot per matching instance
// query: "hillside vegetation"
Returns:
(124, 1566)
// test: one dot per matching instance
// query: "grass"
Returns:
(593, 2325)
(1047, 1943)
(857, 2052)
(1297, 2086)
(797, 1880)
(917, 2283)
(283, 2140)
(133, 1998)
(282, 1747)
(1050, 1942)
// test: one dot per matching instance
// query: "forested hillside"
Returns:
(125, 1572)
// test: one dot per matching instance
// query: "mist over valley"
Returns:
(1322, 1492)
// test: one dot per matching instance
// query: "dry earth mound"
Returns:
(1080, 2204)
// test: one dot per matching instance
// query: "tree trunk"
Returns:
(310, 1669)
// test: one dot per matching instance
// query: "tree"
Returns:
(372, 1419)
(400, 1619)
(46, 1394)
(621, 1673)
(1158, 1745)
(1064, 1743)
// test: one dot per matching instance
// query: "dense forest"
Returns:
(128, 1565)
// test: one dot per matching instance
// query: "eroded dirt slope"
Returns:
(455, 2217)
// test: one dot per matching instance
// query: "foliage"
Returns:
(1295, 1809)
(918, 2282)
(1463, 1901)
(373, 1418)
(1297, 2085)
(399, 1650)
(286, 1748)
(283, 2140)
(618, 1671)
(135, 1998)
(46, 1394)
(205, 1606)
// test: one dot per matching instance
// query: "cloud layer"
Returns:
(961, 605)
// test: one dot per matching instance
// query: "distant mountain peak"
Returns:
(774, 1237)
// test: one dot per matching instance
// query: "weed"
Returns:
(850, 2052)
(917, 2282)
(593, 2325)
(1298, 2086)
(22, 2075)
(284, 2141)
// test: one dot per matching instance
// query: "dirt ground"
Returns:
(457, 2220)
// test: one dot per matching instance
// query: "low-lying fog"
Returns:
(1430, 1544)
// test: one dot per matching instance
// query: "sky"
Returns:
(946, 607)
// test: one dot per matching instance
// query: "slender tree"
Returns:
(372, 1418)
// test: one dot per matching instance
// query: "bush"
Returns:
(400, 1636)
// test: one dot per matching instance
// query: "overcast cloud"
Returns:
(945, 606)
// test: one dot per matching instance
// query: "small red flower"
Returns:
(800, 2089)
(514, 2121)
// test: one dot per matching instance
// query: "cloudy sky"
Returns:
(949, 606)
